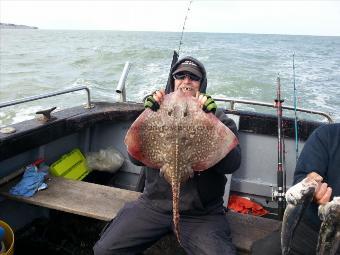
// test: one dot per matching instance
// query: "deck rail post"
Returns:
(121, 88)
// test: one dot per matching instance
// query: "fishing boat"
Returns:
(70, 214)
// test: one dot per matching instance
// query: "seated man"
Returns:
(204, 226)
(320, 156)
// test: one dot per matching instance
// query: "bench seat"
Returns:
(77, 197)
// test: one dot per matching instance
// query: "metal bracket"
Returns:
(7, 130)
(46, 115)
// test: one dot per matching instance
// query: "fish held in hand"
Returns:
(298, 197)
(179, 139)
(329, 234)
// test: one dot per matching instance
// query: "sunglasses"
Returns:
(182, 76)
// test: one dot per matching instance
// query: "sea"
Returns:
(241, 66)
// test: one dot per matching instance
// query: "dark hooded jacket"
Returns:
(320, 154)
(202, 194)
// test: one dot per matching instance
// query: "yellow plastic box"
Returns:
(72, 166)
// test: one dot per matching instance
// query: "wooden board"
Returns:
(78, 197)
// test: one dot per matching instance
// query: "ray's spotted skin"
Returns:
(178, 139)
(298, 197)
(329, 235)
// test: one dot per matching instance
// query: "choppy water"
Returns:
(239, 65)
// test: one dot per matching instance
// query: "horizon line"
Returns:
(164, 31)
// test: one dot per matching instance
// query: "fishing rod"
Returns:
(183, 28)
(173, 61)
(175, 55)
(280, 195)
(295, 112)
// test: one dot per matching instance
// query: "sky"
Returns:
(300, 17)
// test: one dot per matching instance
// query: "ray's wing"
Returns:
(211, 141)
(145, 141)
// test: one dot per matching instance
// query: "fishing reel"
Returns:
(277, 193)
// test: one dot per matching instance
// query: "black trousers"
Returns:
(304, 242)
(137, 226)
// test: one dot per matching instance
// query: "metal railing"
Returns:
(121, 83)
(56, 93)
(233, 101)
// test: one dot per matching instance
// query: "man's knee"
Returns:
(210, 243)
(270, 244)
(98, 249)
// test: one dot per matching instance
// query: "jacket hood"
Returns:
(171, 82)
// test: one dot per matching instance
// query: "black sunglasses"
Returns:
(181, 76)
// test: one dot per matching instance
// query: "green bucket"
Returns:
(8, 239)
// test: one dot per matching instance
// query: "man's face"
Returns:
(187, 83)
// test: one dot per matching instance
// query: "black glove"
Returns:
(151, 103)
(209, 105)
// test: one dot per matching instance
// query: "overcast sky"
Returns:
(263, 17)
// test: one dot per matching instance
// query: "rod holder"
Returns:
(121, 83)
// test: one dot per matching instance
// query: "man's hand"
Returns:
(153, 101)
(323, 192)
(158, 95)
(206, 102)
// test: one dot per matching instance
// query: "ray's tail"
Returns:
(175, 207)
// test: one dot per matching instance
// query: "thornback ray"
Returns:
(298, 197)
(329, 234)
(179, 139)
